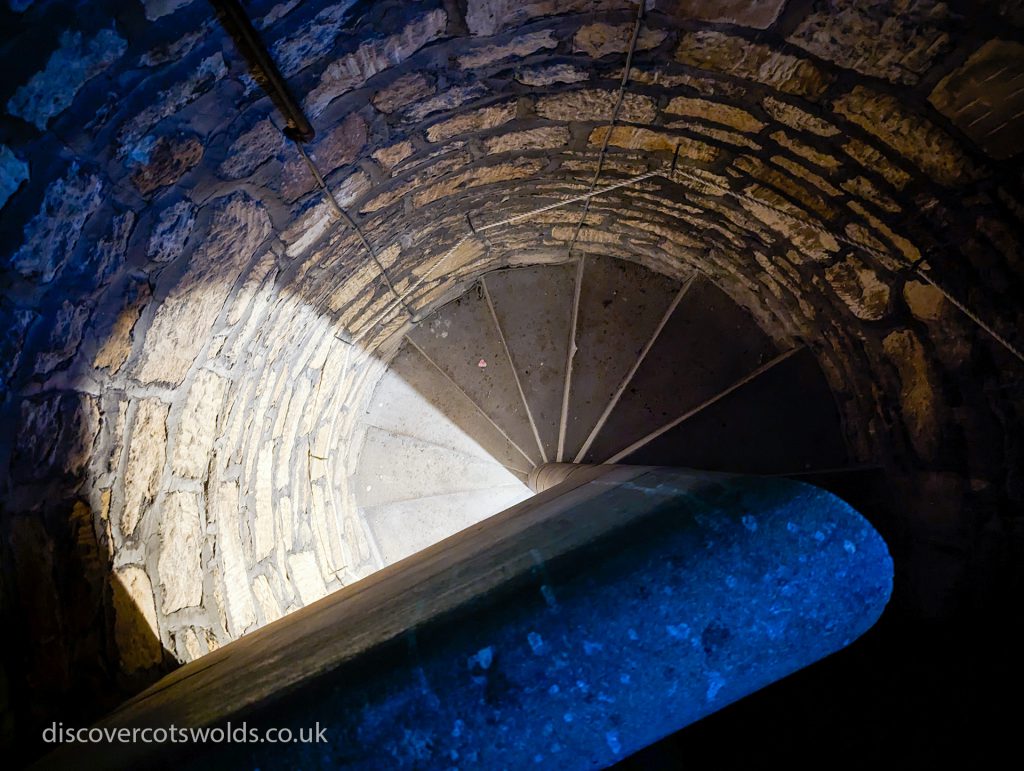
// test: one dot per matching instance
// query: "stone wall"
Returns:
(180, 302)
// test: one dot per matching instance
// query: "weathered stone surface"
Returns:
(600, 39)
(445, 101)
(136, 632)
(930, 148)
(173, 50)
(985, 98)
(312, 40)
(925, 301)
(485, 175)
(171, 100)
(160, 162)
(13, 171)
(338, 147)
(808, 153)
(741, 120)
(917, 392)
(184, 319)
(55, 435)
(65, 336)
(477, 120)
(389, 157)
(252, 149)
(51, 236)
(892, 39)
(556, 73)
(594, 105)
(794, 117)
(70, 67)
(746, 13)
(860, 288)
(171, 231)
(197, 426)
(524, 45)
(870, 158)
(16, 322)
(240, 611)
(486, 17)
(864, 188)
(107, 257)
(269, 606)
(181, 547)
(305, 577)
(263, 540)
(631, 138)
(354, 69)
(813, 242)
(146, 455)
(738, 57)
(113, 352)
(403, 92)
(545, 138)
(156, 9)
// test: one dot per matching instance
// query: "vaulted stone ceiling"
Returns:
(189, 324)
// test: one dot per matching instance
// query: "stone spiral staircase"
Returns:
(594, 360)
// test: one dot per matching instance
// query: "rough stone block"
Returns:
(892, 39)
(524, 45)
(53, 233)
(354, 69)
(596, 106)
(860, 288)
(146, 455)
(599, 39)
(70, 67)
(746, 13)
(476, 120)
(985, 98)
(736, 56)
(197, 425)
(185, 318)
(13, 171)
(181, 548)
(136, 632)
(926, 145)
(158, 162)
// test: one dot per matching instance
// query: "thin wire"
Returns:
(972, 316)
(352, 224)
(669, 176)
(509, 221)
(615, 116)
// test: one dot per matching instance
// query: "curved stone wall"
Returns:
(192, 327)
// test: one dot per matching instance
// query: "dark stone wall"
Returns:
(175, 286)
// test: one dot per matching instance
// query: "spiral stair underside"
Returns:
(593, 360)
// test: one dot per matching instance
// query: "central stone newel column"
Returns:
(712, 587)
(582, 625)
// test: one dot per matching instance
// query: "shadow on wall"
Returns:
(174, 462)
(79, 637)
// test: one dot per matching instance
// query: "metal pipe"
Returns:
(237, 24)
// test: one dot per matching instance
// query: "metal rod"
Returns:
(237, 24)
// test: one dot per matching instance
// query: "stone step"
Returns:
(621, 305)
(394, 467)
(406, 527)
(463, 341)
(533, 306)
(415, 399)
(784, 421)
(708, 343)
